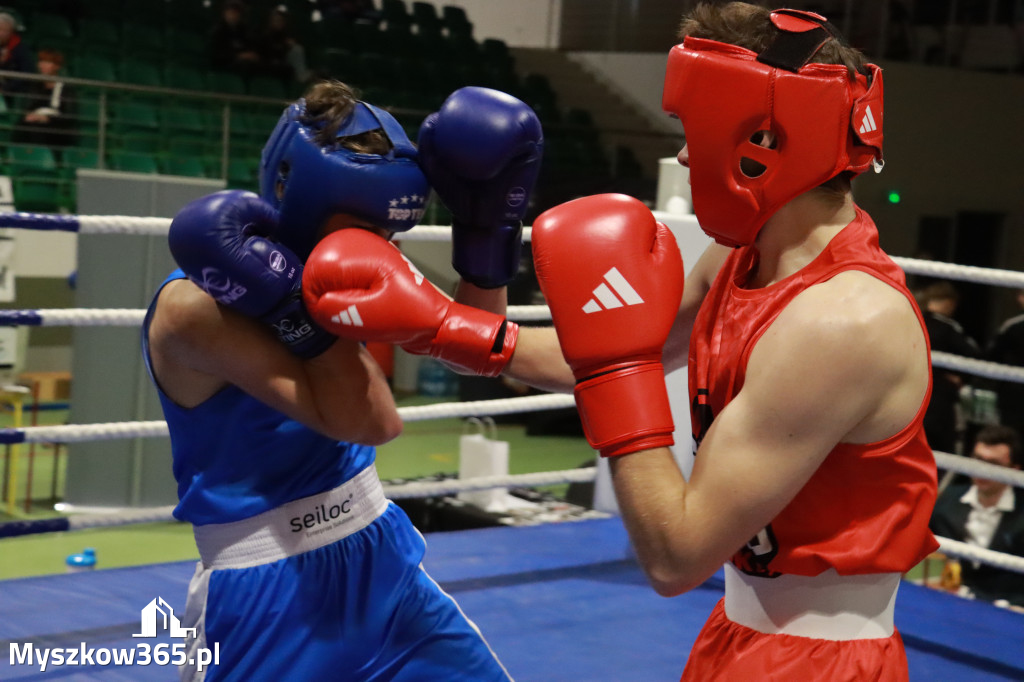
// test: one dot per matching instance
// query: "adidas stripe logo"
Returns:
(349, 317)
(613, 292)
(867, 124)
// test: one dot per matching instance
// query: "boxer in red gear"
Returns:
(808, 358)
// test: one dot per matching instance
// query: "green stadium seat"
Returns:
(130, 116)
(141, 39)
(175, 120)
(137, 142)
(395, 14)
(79, 157)
(110, 10)
(88, 109)
(148, 13)
(400, 41)
(132, 162)
(267, 86)
(455, 21)
(425, 16)
(183, 77)
(376, 71)
(185, 45)
(187, 144)
(242, 124)
(188, 166)
(96, 32)
(189, 14)
(44, 25)
(31, 161)
(37, 194)
(243, 173)
(140, 73)
(95, 67)
(7, 122)
(495, 51)
(366, 39)
(225, 83)
(331, 32)
(337, 63)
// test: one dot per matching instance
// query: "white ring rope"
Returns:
(79, 433)
(126, 317)
(980, 368)
(107, 224)
(962, 550)
(121, 224)
(484, 408)
(964, 273)
(976, 468)
(399, 491)
(84, 317)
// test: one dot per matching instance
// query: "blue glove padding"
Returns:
(219, 243)
(481, 153)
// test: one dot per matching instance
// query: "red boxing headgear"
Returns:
(824, 122)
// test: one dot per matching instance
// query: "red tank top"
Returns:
(866, 508)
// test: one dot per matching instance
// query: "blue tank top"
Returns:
(235, 457)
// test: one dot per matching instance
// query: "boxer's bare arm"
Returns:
(698, 282)
(845, 362)
(198, 346)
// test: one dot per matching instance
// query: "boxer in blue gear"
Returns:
(307, 571)
(481, 152)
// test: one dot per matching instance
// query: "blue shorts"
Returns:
(361, 608)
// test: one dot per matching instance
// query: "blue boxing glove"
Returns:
(481, 153)
(219, 242)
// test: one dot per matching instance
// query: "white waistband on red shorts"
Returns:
(825, 606)
(295, 527)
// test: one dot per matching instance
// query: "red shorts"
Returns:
(727, 651)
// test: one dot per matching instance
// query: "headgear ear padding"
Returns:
(386, 190)
(824, 122)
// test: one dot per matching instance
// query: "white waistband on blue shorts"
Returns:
(825, 606)
(295, 527)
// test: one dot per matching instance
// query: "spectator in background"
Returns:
(1008, 348)
(48, 108)
(282, 54)
(14, 56)
(943, 422)
(232, 45)
(987, 514)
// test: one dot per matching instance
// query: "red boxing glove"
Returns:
(613, 278)
(360, 286)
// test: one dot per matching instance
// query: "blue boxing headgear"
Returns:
(387, 190)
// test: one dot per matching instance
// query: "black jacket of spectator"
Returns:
(15, 56)
(987, 582)
(232, 44)
(1008, 348)
(940, 421)
(58, 104)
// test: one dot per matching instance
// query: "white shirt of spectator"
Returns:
(981, 520)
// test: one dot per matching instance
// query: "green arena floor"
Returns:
(425, 447)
